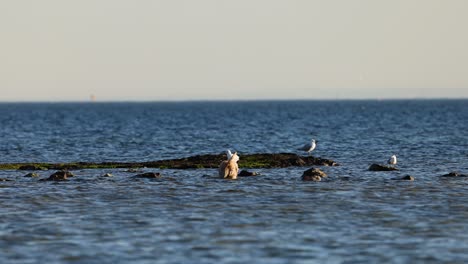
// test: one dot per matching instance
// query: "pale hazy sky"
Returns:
(59, 50)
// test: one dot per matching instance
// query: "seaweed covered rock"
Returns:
(454, 174)
(258, 160)
(380, 167)
(313, 174)
(62, 175)
(148, 175)
(31, 167)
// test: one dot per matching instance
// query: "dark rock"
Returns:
(107, 175)
(310, 160)
(299, 162)
(148, 175)
(313, 174)
(4, 180)
(405, 178)
(379, 167)
(59, 176)
(261, 160)
(245, 173)
(454, 174)
(31, 175)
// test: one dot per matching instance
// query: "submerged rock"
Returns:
(107, 175)
(31, 175)
(380, 167)
(59, 176)
(4, 180)
(404, 178)
(148, 175)
(311, 178)
(313, 174)
(133, 170)
(245, 173)
(454, 174)
(314, 171)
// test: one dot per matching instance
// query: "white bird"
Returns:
(309, 147)
(392, 160)
(228, 154)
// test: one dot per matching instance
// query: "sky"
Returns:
(143, 50)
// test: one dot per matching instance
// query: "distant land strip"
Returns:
(262, 160)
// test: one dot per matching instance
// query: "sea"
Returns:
(190, 216)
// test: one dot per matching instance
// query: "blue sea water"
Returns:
(190, 216)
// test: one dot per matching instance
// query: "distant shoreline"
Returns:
(235, 101)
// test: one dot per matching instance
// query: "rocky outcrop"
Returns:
(59, 176)
(454, 174)
(260, 160)
(148, 175)
(278, 160)
(380, 167)
(245, 173)
(313, 174)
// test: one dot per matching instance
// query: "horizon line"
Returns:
(237, 100)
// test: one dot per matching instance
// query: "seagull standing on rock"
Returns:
(309, 147)
(392, 160)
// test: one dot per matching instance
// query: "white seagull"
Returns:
(392, 160)
(228, 154)
(309, 147)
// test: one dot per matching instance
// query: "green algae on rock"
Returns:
(263, 160)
